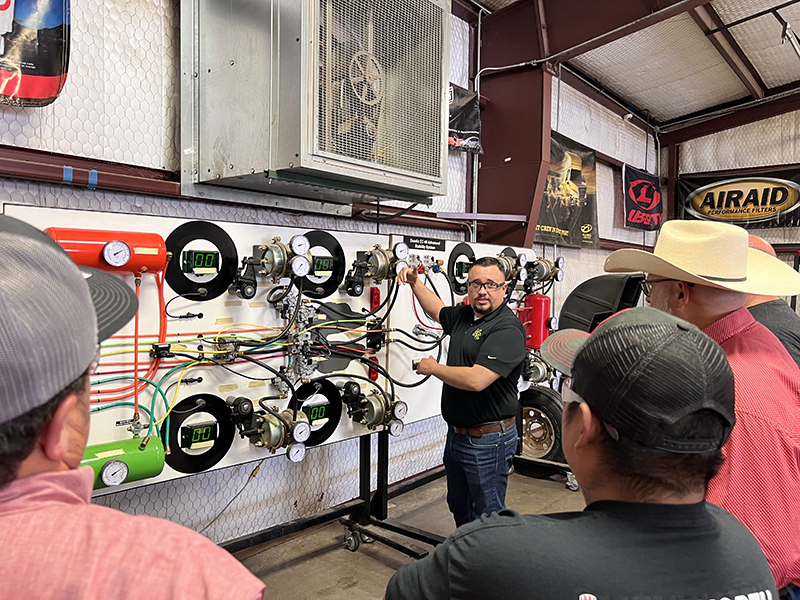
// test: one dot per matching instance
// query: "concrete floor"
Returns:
(313, 563)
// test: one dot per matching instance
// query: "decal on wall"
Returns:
(568, 216)
(643, 207)
(769, 199)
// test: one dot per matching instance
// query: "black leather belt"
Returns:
(479, 430)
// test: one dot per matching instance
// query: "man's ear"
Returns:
(590, 427)
(683, 294)
(54, 439)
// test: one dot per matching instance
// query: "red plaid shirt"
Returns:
(760, 481)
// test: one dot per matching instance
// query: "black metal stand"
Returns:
(374, 509)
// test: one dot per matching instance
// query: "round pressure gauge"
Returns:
(117, 253)
(558, 275)
(522, 259)
(552, 323)
(301, 431)
(399, 266)
(523, 274)
(395, 427)
(400, 251)
(296, 452)
(300, 265)
(400, 409)
(560, 262)
(114, 472)
(300, 244)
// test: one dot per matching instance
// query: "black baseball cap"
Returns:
(643, 370)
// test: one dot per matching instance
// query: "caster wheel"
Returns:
(352, 540)
(572, 483)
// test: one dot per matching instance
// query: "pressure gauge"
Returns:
(560, 262)
(400, 409)
(301, 431)
(552, 323)
(399, 266)
(522, 259)
(300, 244)
(558, 275)
(300, 265)
(395, 427)
(296, 452)
(400, 251)
(117, 253)
(114, 472)
(523, 274)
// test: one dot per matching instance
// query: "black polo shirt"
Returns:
(495, 341)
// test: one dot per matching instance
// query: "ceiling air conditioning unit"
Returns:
(323, 99)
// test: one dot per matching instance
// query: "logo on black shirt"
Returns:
(477, 333)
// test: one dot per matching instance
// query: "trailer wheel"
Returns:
(540, 432)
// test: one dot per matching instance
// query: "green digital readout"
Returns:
(322, 265)
(198, 435)
(462, 268)
(315, 413)
(200, 262)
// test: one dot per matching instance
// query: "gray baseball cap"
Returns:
(53, 314)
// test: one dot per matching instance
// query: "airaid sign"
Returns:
(755, 201)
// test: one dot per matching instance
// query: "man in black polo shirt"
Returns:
(479, 397)
(648, 406)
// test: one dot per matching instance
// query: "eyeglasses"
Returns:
(95, 361)
(489, 285)
(647, 285)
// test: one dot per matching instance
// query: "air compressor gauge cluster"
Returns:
(374, 409)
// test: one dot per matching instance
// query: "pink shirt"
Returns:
(55, 544)
(759, 483)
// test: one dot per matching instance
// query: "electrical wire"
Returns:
(391, 216)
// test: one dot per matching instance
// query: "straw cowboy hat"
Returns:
(711, 254)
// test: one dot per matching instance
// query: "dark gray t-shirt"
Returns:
(781, 320)
(610, 551)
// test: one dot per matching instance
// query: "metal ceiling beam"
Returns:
(578, 26)
(712, 26)
(763, 110)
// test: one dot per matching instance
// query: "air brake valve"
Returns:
(276, 260)
(373, 410)
(269, 428)
(376, 264)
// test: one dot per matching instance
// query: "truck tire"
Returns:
(540, 432)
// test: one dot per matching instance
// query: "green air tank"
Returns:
(120, 462)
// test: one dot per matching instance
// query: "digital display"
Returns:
(199, 435)
(200, 262)
(315, 413)
(322, 265)
(462, 269)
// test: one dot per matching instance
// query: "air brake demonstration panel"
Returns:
(254, 340)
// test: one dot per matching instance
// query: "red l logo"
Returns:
(4, 5)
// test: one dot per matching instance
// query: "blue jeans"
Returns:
(792, 592)
(477, 472)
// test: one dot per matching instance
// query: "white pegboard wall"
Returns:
(120, 102)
